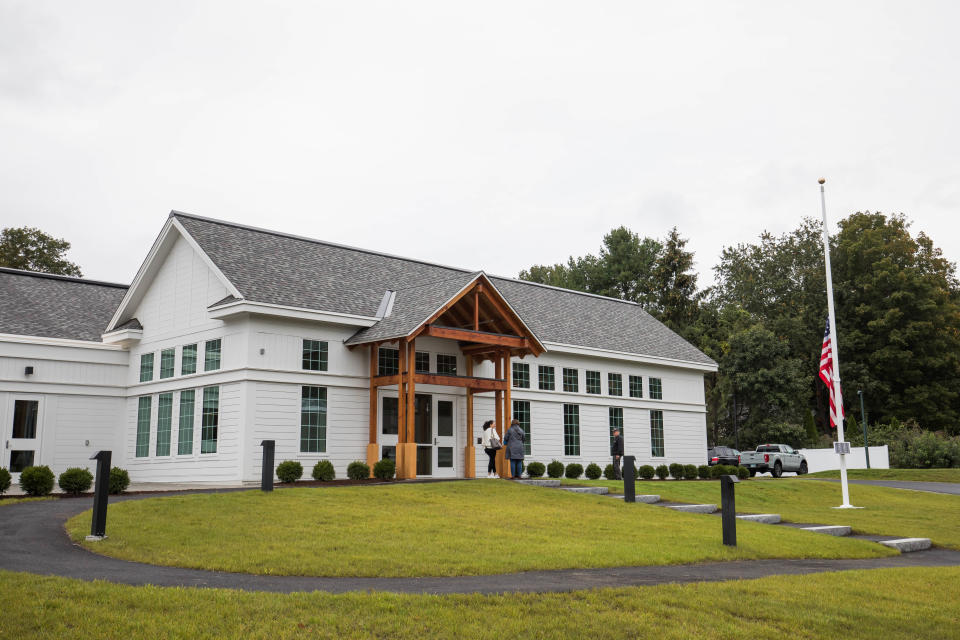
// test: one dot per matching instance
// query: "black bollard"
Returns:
(729, 510)
(266, 472)
(101, 493)
(629, 479)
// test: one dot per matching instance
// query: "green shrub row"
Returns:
(38, 480)
(323, 471)
(556, 469)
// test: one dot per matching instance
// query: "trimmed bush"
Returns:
(358, 470)
(289, 471)
(593, 471)
(663, 471)
(555, 469)
(385, 469)
(75, 480)
(646, 472)
(324, 471)
(536, 469)
(4, 480)
(690, 471)
(743, 473)
(717, 470)
(704, 472)
(676, 471)
(609, 473)
(573, 471)
(37, 481)
(119, 480)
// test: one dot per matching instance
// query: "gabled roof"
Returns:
(50, 306)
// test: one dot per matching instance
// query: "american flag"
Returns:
(826, 374)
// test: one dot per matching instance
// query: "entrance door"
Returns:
(445, 439)
(423, 433)
(23, 440)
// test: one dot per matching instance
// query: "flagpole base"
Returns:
(847, 506)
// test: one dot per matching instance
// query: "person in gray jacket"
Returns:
(513, 445)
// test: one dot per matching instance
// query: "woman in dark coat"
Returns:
(513, 445)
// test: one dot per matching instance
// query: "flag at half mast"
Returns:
(826, 374)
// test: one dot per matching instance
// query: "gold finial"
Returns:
(822, 180)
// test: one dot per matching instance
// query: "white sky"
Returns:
(486, 135)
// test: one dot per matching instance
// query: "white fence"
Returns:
(825, 459)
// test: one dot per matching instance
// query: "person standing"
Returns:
(616, 450)
(491, 442)
(513, 442)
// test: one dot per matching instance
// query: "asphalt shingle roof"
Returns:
(39, 304)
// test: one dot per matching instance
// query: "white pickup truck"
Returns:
(775, 458)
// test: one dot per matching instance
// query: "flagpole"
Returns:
(833, 350)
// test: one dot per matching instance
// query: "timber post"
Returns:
(373, 453)
(469, 451)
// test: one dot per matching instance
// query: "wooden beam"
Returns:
(476, 310)
(411, 381)
(373, 394)
(442, 310)
(503, 311)
(477, 384)
(383, 381)
(481, 337)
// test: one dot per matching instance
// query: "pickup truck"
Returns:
(775, 458)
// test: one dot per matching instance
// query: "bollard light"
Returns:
(729, 510)
(629, 479)
(266, 472)
(101, 492)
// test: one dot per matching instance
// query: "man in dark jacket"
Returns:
(616, 450)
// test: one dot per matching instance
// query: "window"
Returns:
(446, 365)
(211, 356)
(146, 367)
(314, 355)
(656, 389)
(313, 420)
(444, 418)
(445, 456)
(521, 411)
(636, 387)
(390, 416)
(20, 460)
(656, 434)
(185, 432)
(615, 384)
(210, 419)
(422, 362)
(570, 380)
(616, 422)
(546, 378)
(188, 360)
(164, 423)
(571, 430)
(388, 361)
(143, 427)
(593, 382)
(167, 357)
(521, 375)
(25, 418)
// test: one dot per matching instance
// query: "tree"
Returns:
(675, 284)
(31, 249)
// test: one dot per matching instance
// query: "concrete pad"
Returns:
(600, 491)
(541, 482)
(693, 508)
(648, 499)
(764, 518)
(906, 545)
(837, 530)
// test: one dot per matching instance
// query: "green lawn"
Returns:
(922, 475)
(885, 603)
(888, 511)
(457, 528)
(7, 501)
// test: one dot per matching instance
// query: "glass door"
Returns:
(389, 427)
(423, 433)
(445, 440)
(23, 436)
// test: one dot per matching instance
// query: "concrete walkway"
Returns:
(32, 539)
(952, 488)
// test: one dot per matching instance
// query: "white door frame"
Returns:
(390, 440)
(11, 444)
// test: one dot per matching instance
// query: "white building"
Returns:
(230, 335)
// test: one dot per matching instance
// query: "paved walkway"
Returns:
(935, 487)
(32, 539)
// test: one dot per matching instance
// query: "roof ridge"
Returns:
(580, 293)
(56, 276)
(472, 274)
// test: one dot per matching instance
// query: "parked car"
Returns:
(723, 455)
(775, 458)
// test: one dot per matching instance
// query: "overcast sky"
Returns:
(485, 135)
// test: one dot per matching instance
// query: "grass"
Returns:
(7, 501)
(921, 475)
(889, 603)
(461, 528)
(892, 512)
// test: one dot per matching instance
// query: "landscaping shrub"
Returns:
(593, 471)
(37, 481)
(703, 471)
(4, 480)
(646, 472)
(609, 473)
(536, 469)
(358, 470)
(289, 471)
(742, 473)
(75, 480)
(385, 469)
(663, 471)
(119, 480)
(574, 471)
(324, 471)
(676, 470)
(555, 469)
(717, 470)
(690, 471)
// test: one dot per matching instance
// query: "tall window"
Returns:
(143, 427)
(164, 423)
(616, 422)
(615, 384)
(211, 355)
(593, 382)
(446, 365)
(521, 375)
(521, 411)
(388, 361)
(25, 418)
(546, 378)
(656, 389)
(314, 355)
(422, 362)
(390, 416)
(571, 430)
(636, 387)
(210, 419)
(167, 357)
(185, 431)
(313, 420)
(656, 434)
(146, 367)
(188, 360)
(571, 380)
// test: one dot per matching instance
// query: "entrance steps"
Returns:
(830, 530)
(553, 483)
(599, 491)
(906, 545)
(693, 508)
(763, 518)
